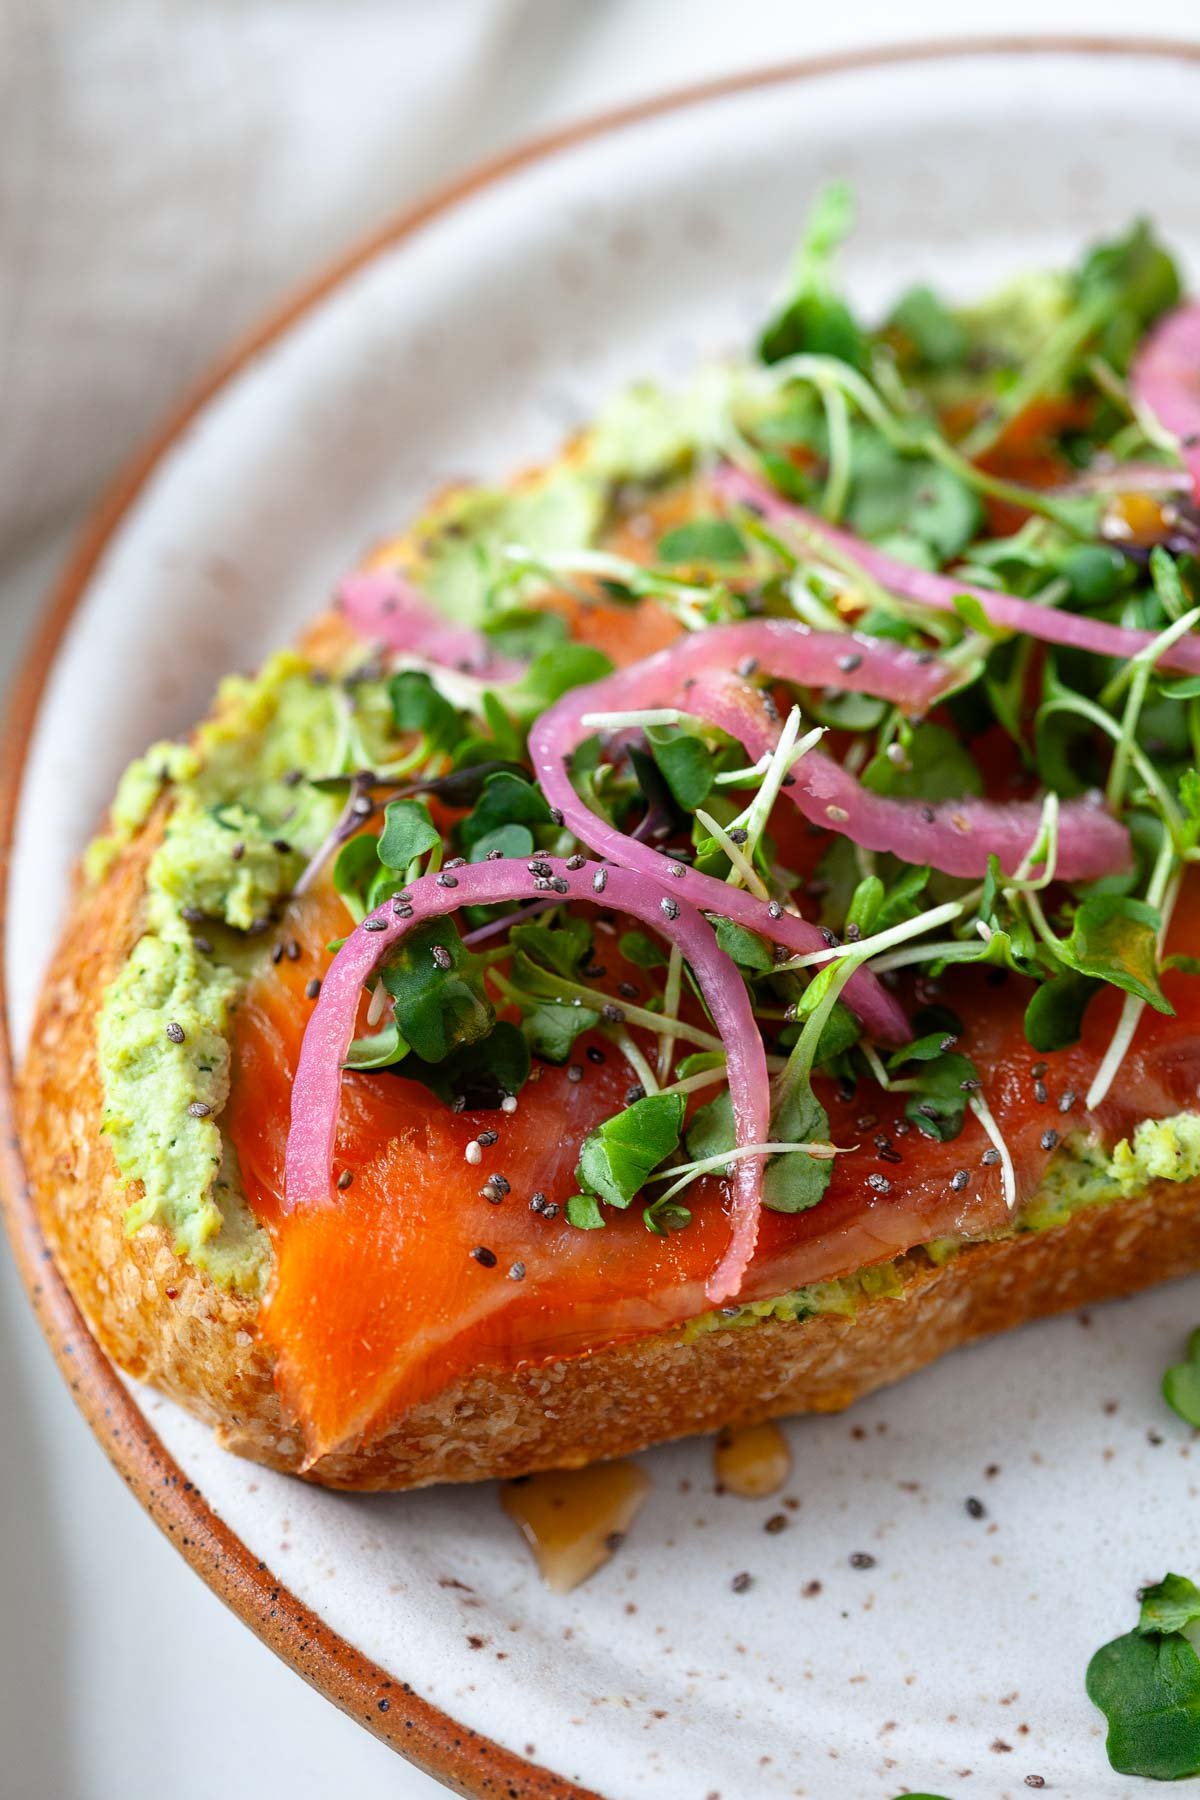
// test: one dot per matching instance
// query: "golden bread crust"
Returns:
(164, 1322)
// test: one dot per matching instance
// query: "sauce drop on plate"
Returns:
(753, 1460)
(574, 1519)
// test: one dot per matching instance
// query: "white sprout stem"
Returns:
(786, 754)
(583, 561)
(689, 1172)
(1151, 653)
(630, 721)
(740, 777)
(1163, 892)
(950, 948)
(379, 1004)
(1118, 773)
(882, 940)
(1008, 1175)
(709, 1077)
(633, 1056)
(666, 1044)
(746, 869)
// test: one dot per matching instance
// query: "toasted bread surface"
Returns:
(165, 1322)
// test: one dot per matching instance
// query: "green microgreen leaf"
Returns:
(525, 632)
(938, 1106)
(583, 1210)
(642, 951)
(1147, 1685)
(480, 1074)
(506, 799)
(408, 832)
(560, 947)
(354, 869)
(1181, 1384)
(1054, 1015)
(506, 840)
(935, 338)
(436, 1008)
(686, 763)
(794, 1182)
(1171, 1604)
(745, 947)
(616, 1158)
(702, 541)
(551, 1029)
(1115, 938)
(417, 706)
(377, 1049)
(936, 766)
(552, 674)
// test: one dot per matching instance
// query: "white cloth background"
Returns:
(167, 169)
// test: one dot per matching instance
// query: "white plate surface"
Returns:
(955, 1664)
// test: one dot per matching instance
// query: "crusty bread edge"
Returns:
(164, 1322)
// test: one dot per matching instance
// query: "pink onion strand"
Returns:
(317, 1087)
(778, 647)
(941, 591)
(384, 607)
(956, 836)
(1166, 381)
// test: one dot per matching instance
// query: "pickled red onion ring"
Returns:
(384, 606)
(317, 1087)
(940, 591)
(1166, 381)
(956, 836)
(778, 647)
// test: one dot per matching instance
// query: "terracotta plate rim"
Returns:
(464, 1760)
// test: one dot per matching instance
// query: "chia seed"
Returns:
(447, 881)
(774, 910)
(879, 1183)
(1039, 1092)
(199, 1109)
(488, 1138)
(1038, 1070)
(556, 817)
(517, 1272)
(1049, 1139)
(594, 1053)
(669, 908)
(600, 881)
(203, 945)
(990, 1158)
(862, 1559)
(442, 958)
(293, 950)
(282, 846)
(238, 851)
(485, 1257)
(742, 1582)
(739, 835)
(560, 884)
(975, 1508)
(776, 1523)
(959, 1180)
(634, 1093)
(748, 667)
(1067, 1101)
(176, 1032)
(313, 988)
(345, 1178)
(374, 924)
(613, 1013)
(576, 862)
(848, 664)
(575, 1073)
(627, 990)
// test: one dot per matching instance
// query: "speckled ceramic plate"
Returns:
(468, 340)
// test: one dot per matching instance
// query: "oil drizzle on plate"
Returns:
(752, 1460)
(574, 1519)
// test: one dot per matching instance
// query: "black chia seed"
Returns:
(313, 988)
(879, 1183)
(1049, 1140)
(199, 1109)
(669, 908)
(345, 1178)
(600, 881)
(594, 1053)
(634, 1093)
(742, 1582)
(447, 881)
(442, 958)
(627, 990)
(485, 1257)
(376, 925)
(517, 1272)
(176, 1032)
(575, 1072)
(862, 1559)
(975, 1508)
(576, 862)
(959, 1180)
(990, 1158)
(613, 1013)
